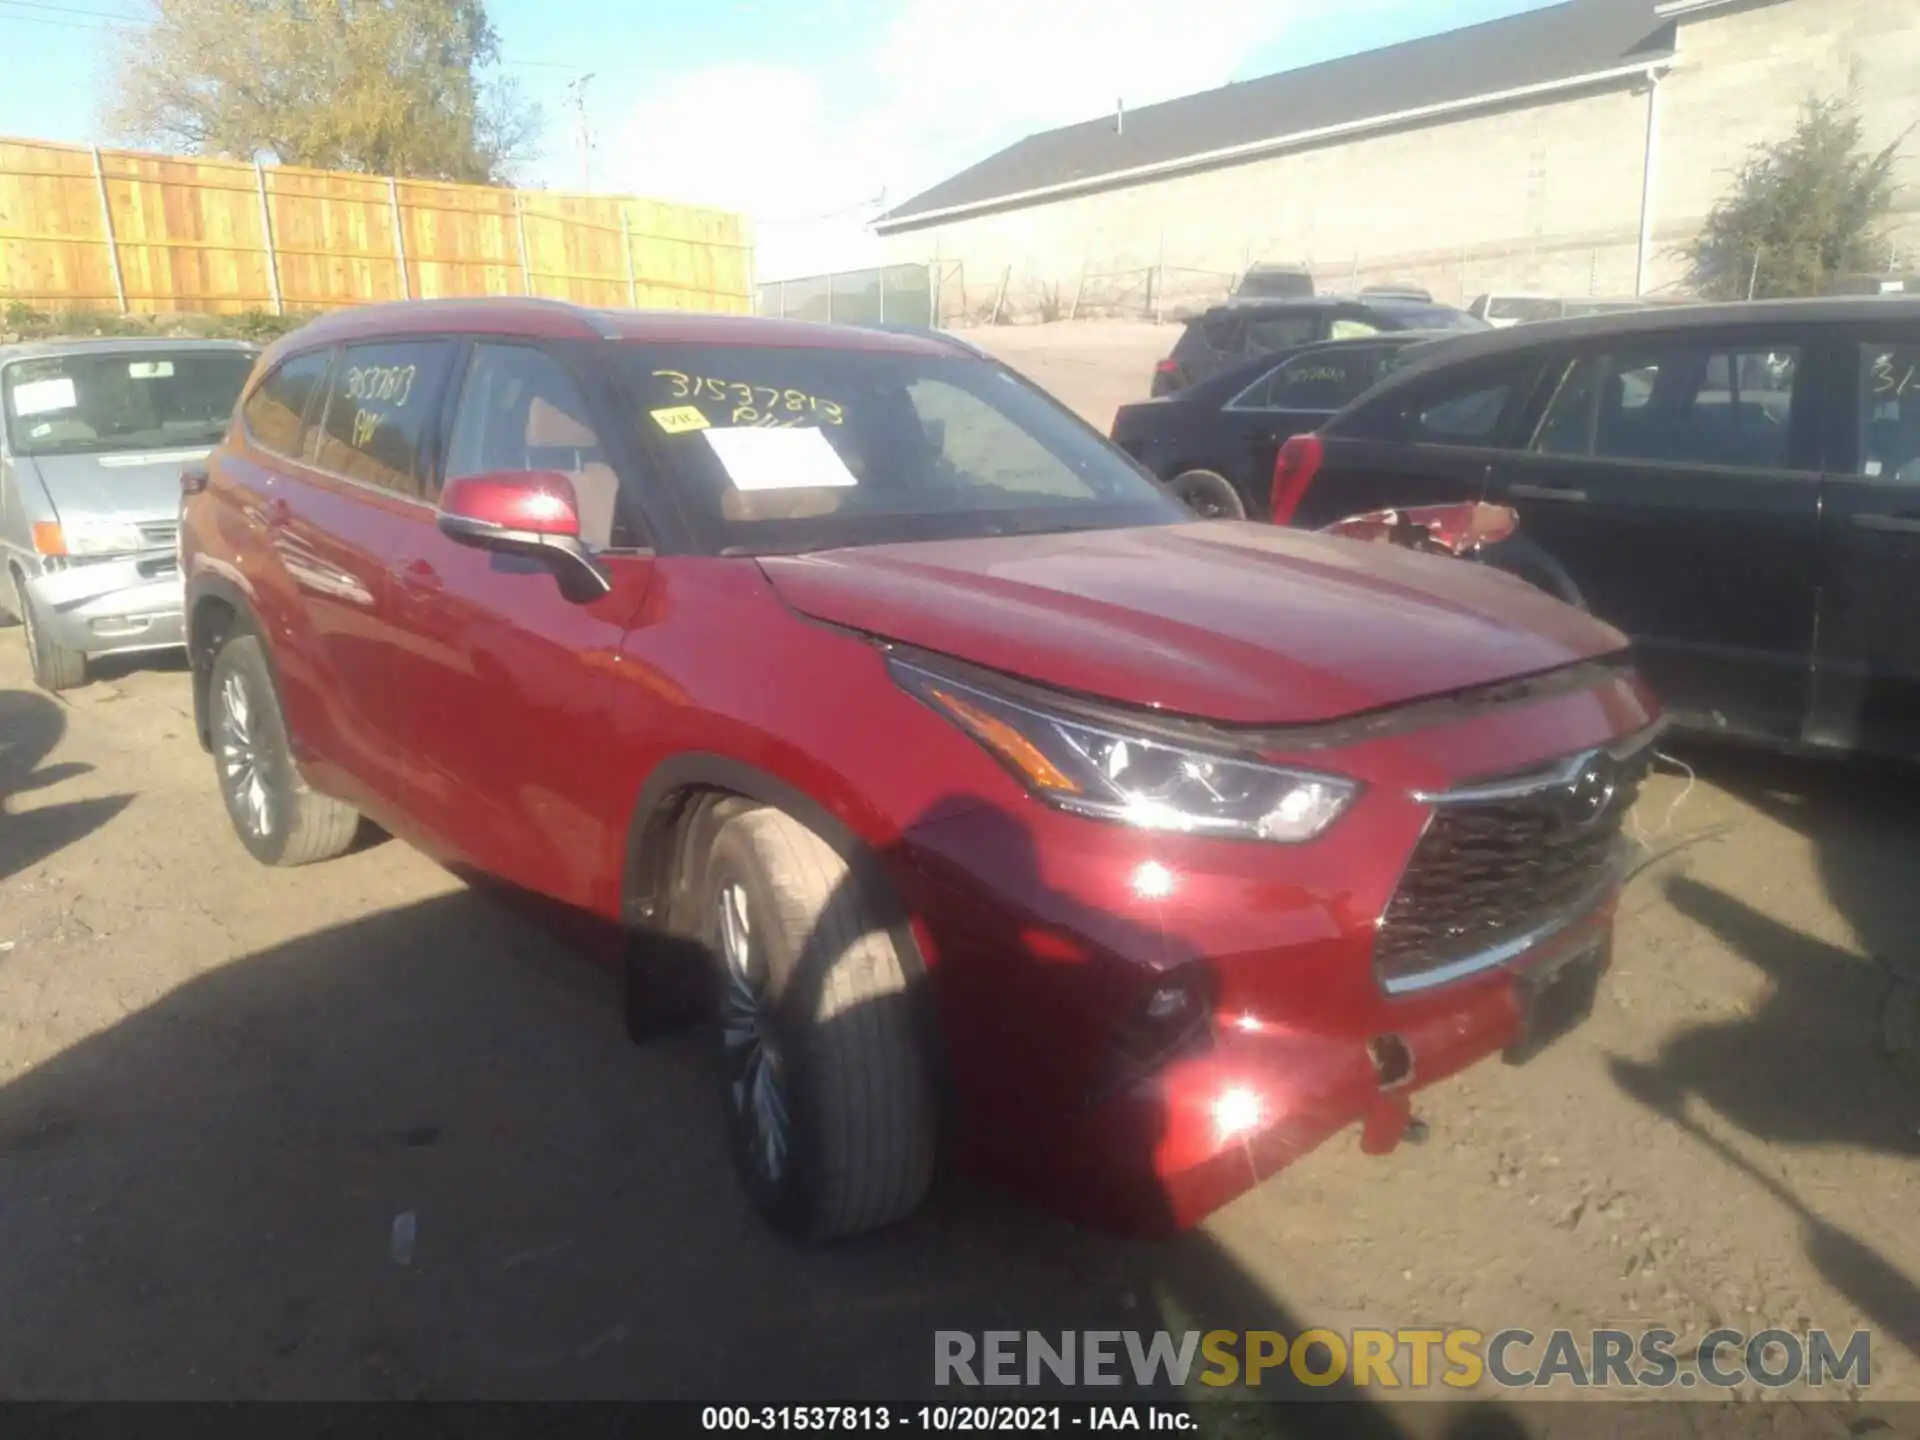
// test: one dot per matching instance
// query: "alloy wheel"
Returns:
(241, 764)
(756, 1077)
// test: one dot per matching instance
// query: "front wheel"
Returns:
(55, 667)
(827, 1083)
(277, 816)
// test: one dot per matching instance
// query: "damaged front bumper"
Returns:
(133, 602)
(1231, 1112)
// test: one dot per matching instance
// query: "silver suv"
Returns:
(94, 437)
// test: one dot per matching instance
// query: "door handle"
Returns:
(1547, 492)
(417, 577)
(1897, 524)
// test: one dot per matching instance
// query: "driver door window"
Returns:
(519, 410)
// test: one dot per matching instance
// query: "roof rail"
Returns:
(595, 320)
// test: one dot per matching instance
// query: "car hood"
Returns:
(1228, 621)
(115, 486)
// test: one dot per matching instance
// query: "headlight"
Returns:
(90, 537)
(1092, 769)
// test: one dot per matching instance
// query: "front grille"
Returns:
(160, 535)
(1500, 862)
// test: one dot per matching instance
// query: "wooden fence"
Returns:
(91, 228)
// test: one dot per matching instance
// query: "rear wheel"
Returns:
(278, 817)
(1209, 494)
(827, 1085)
(55, 668)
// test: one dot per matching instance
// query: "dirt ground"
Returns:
(221, 1086)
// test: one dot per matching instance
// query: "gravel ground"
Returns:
(221, 1085)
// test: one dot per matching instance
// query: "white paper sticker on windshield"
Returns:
(38, 397)
(150, 369)
(795, 459)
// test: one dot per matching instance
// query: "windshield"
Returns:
(98, 401)
(793, 449)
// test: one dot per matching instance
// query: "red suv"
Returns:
(889, 714)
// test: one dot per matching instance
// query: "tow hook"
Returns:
(1386, 1124)
(1390, 1121)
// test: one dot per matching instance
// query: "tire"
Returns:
(826, 1081)
(278, 817)
(55, 668)
(1209, 494)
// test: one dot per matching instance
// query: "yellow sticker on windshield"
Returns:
(679, 419)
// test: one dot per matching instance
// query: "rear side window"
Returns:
(1890, 411)
(1321, 380)
(1523, 309)
(1683, 405)
(381, 400)
(276, 411)
(1221, 333)
(1282, 332)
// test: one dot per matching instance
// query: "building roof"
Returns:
(1566, 46)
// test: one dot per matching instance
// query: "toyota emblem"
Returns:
(1591, 794)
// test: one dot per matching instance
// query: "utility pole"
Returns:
(583, 129)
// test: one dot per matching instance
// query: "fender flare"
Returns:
(650, 862)
(200, 663)
(657, 811)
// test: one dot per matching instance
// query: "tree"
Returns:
(1805, 209)
(392, 87)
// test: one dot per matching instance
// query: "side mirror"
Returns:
(524, 512)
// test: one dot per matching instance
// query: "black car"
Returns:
(1228, 335)
(1737, 487)
(1214, 443)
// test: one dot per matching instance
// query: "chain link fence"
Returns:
(888, 295)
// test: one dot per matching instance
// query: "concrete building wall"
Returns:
(1543, 197)
(1740, 78)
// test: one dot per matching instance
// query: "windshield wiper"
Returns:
(792, 547)
(1038, 526)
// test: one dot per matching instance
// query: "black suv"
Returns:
(1229, 335)
(1735, 486)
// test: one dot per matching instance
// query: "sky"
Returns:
(808, 118)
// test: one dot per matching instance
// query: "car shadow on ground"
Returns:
(31, 725)
(415, 1156)
(1820, 1060)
